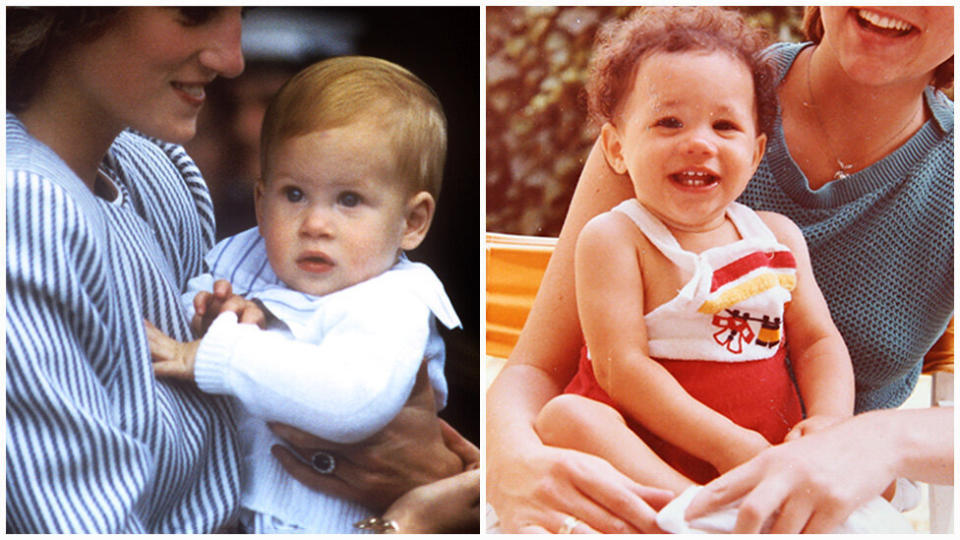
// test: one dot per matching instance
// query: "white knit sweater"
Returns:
(340, 366)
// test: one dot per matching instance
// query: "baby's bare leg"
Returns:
(580, 423)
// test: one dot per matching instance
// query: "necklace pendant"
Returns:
(842, 171)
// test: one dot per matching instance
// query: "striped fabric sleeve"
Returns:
(70, 468)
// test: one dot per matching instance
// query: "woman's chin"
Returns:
(177, 131)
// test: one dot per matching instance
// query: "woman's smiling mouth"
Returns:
(191, 93)
(882, 24)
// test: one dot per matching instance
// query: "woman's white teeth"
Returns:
(884, 22)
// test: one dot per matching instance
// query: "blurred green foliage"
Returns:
(538, 136)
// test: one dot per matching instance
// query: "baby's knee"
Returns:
(567, 417)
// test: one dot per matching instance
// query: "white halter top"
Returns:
(731, 308)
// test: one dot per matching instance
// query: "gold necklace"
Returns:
(843, 167)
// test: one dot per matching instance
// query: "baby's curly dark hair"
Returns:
(621, 45)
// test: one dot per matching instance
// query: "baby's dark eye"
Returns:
(669, 122)
(725, 125)
(196, 16)
(349, 199)
(293, 194)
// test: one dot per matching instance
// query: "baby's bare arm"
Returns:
(610, 299)
(817, 351)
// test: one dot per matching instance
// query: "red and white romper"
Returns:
(722, 336)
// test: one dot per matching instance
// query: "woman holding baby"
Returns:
(107, 217)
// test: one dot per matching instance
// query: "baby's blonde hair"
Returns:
(346, 89)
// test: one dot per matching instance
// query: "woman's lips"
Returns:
(885, 25)
(193, 94)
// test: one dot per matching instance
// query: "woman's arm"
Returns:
(610, 297)
(70, 467)
(815, 482)
(451, 505)
(528, 483)
(817, 352)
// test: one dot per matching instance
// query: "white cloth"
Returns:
(340, 366)
(876, 516)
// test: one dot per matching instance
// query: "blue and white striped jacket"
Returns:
(94, 442)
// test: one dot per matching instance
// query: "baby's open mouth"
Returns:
(694, 178)
(882, 24)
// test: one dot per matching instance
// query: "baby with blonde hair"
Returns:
(353, 150)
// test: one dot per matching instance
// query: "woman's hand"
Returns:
(411, 451)
(451, 505)
(813, 424)
(208, 305)
(811, 484)
(538, 494)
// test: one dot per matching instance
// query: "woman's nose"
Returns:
(223, 54)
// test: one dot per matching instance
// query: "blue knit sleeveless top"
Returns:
(881, 243)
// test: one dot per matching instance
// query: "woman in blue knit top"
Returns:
(862, 160)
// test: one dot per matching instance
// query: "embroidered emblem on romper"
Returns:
(735, 330)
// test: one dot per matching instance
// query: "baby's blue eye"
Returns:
(293, 194)
(669, 122)
(349, 199)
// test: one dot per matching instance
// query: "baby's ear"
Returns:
(612, 147)
(419, 215)
(258, 198)
(759, 148)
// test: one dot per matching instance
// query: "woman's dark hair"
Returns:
(35, 35)
(813, 30)
(621, 45)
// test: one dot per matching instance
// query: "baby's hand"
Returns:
(170, 357)
(749, 444)
(812, 425)
(208, 306)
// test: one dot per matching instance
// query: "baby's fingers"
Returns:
(251, 313)
(162, 347)
(222, 289)
(200, 302)
(794, 433)
(171, 368)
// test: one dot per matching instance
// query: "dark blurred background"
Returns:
(538, 136)
(441, 45)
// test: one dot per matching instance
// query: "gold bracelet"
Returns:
(378, 525)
